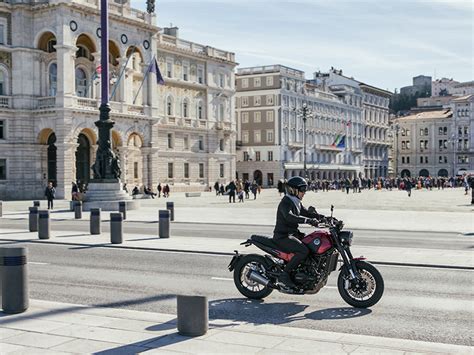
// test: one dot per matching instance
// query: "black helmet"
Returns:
(296, 184)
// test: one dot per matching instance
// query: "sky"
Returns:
(383, 43)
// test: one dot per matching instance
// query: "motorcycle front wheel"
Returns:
(362, 293)
(247, 287)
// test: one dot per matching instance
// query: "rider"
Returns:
(286, 235)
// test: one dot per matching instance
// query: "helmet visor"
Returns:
(302, 188)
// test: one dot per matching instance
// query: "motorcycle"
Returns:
(359, 283)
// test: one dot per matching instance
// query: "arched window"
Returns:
(221, 112)
(2, 83)
(81, 83)
(50, 45)
(53, 79)
(82, 52)
(169, 106)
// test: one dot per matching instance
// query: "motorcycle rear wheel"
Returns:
(366, 297)
(247, 287)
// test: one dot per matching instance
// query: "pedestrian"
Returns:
(148, 191)
(254, 189)
(222, 190)
(241, 196)
(466, 184)
(74, 192)
(166, 191)
(216, 187)
(408, 186)
(247, 188)
(124, 188)
(231, 188)
(135, 191)
(158, 188)
(50, 193)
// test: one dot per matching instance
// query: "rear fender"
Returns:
(235, 259)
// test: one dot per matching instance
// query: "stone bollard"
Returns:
(170, 206)
(14, 278)
(36, 203)
(78, 210)
(1, 208)
(44, 229)
(95, 221)
(116, 228)
(164, 223)
(123, 209)
(193, 315)
(33, 219)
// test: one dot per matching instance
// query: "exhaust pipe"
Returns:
(255, 276)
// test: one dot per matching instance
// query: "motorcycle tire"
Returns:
(246, 287)
(373, 278)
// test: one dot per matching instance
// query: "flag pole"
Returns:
(121, 73)
(143, 81)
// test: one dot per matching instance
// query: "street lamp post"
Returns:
(305, 112)
(397, 130)
(453, 143)
(106, 167)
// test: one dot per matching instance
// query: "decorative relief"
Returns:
(6, 58)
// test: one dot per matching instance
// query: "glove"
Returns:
(313, 222)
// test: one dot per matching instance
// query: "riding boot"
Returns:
(285, 279)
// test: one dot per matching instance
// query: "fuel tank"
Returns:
(318, 242)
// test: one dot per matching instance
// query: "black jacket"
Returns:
(287, 218)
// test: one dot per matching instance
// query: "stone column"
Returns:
(123, 155)
(65, 159)
(66, 77)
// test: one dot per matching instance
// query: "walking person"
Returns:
(231, 187)
(254, 189)
(166, 191)
(216, 187)
(408, 186)
(158, 188)
(50, 194)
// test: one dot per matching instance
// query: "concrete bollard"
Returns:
(123, 209)
(116, 228)
(14, 278)
(193, 315)
(170, 206)
(33, 219)
(44, 229)
(78, 210)
(36, 203)
(164, 223)
(95, 221)
(1, 208)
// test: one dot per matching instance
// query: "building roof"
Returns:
(464, 98)
(438, 114)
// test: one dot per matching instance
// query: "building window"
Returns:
(257, 156)
(200, 76)
(421, 131)
(221, 145)
(245, 83)
(257, 82)
(2, 34)
(269, 116)
(245, 117)
(185, 73)
(2, 128)
(403, 160)
(186, 170)
(408, 160)
(257, 137)
(169, 69)
(221, 80)
(426, 160)
(221, 170)
(201, 143)
(170, 170)
(269, 99)
(270, 156)
(135, 170)
(200, 110)
(257, 117)
(403, 145)
(270, 135)
(466, 130)
(81, 83)
(2, 83)
(440, 159)
(245, 101)
(408, 144)
(221, 112)
(270, 179)
(185, 109)
(169, 106)
(170, 140)
(426, 131)
(269, 80)
(201, 170)
(246, 156)
(53, 79)
(245, 136)
(186, 142)
(3, 169)
(257, 100)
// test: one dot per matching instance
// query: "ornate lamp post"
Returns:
(396, 127)
(304, 112)
(453, 143)
(106, 167)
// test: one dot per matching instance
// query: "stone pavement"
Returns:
(446, 210)
(59, 328)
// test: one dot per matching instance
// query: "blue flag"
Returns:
(153, 68)
(342, 142)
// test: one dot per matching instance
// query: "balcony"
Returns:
(223, 126)
(5, 102)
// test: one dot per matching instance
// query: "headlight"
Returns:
(346, 238)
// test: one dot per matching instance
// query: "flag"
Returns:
(339, 142)
(98, 70)
(153, 68)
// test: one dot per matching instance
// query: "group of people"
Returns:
(238, 188)
(147, 190)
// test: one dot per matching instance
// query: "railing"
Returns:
(5, 102)
(135, 109)
(87, 103)
(47, 102)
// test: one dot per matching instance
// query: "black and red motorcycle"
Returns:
(359, 283)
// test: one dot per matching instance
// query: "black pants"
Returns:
(50, 204)
(231, 196)
(292, 244)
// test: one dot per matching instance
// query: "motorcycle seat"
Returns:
(265, 240)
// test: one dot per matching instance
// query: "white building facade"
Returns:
(269, 104)
(50, 93)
